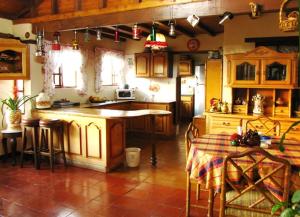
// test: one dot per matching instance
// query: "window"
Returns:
(68, 67)
(112, 68)
(19, 91)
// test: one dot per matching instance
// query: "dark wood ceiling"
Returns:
(16, 9)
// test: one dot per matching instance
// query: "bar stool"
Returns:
(30, 124)
(47, 148)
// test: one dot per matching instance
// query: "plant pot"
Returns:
(13, 119)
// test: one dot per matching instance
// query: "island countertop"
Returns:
(103, 113)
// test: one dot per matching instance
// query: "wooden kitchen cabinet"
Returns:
(186, 67)
(155, 65)
(263, 67)
(187, 107)
(142, 64)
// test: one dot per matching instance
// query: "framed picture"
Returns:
(14, 60)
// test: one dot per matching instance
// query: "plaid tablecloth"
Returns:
(205, 159)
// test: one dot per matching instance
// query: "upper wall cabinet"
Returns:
(263, 67)
(156, 65)
(14, 60)
(185, 67)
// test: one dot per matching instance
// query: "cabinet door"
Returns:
(223, 125)
(185, 68)
(160, 122)
(159, 66)
(138, 124)
(142, 64)
(244, 72)
(276, 71)
(187, 107)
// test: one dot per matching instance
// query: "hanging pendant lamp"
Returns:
(156, 41)
(117, 35)
(56, 41)
(40, 44)
(75, 44)
(136, 32)
(98, 35)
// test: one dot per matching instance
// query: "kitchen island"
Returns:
(95, 137)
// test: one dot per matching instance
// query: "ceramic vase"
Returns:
(13, 119)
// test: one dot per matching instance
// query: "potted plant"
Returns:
(13, 113)
(293, 207)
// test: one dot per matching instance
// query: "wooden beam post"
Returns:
(206, 29)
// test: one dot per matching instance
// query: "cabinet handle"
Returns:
(226, 123)
(259, 127)
(281, 111)
(295, 129)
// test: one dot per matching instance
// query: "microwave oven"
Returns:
(125, 93)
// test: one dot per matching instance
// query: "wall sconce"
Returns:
(172, 31)
(225, 16)
(193, 20)
(75, 44)
(98, 35)
(255, 10)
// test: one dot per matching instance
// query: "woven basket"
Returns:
(289, 23)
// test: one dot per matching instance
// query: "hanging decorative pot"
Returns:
(13, 119)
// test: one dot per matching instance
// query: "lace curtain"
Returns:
(69, 60)
(109, 62)
(52, 62)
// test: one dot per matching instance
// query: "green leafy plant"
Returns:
(281, 147)
(293, 207)
(15, 103)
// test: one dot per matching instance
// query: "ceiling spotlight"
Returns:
(98, 35)
(225, 16)
(193, 20)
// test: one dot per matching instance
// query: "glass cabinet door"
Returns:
(245, 72)
(276, 71)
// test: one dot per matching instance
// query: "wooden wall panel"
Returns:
(44, 8)
(74, 138)
(93, 141)
(90, 5)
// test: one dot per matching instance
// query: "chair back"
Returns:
(265, 125)
(191, 132)
(270, 183)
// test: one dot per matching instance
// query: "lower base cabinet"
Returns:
(228, 123)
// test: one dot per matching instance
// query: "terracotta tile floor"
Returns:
(125, 192)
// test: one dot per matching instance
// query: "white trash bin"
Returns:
(133, 156)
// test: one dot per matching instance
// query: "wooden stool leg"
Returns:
(35, 147)
(51, 148)
(4, 144)
(198, 192)
(24, 145)
(63, 146)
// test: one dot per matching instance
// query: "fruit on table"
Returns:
(96, 99)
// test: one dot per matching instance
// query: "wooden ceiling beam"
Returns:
(112, 16)
(206, 28)
(148, 27)
(179, 29)
(78, 5)
(102, 4)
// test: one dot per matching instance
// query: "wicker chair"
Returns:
(256, 196)
(265, 125)
(191, 132)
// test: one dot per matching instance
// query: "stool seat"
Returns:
(30, 122)
(50, 122)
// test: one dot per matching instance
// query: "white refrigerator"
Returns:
(199, 91)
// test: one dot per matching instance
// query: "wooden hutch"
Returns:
(262, 71)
